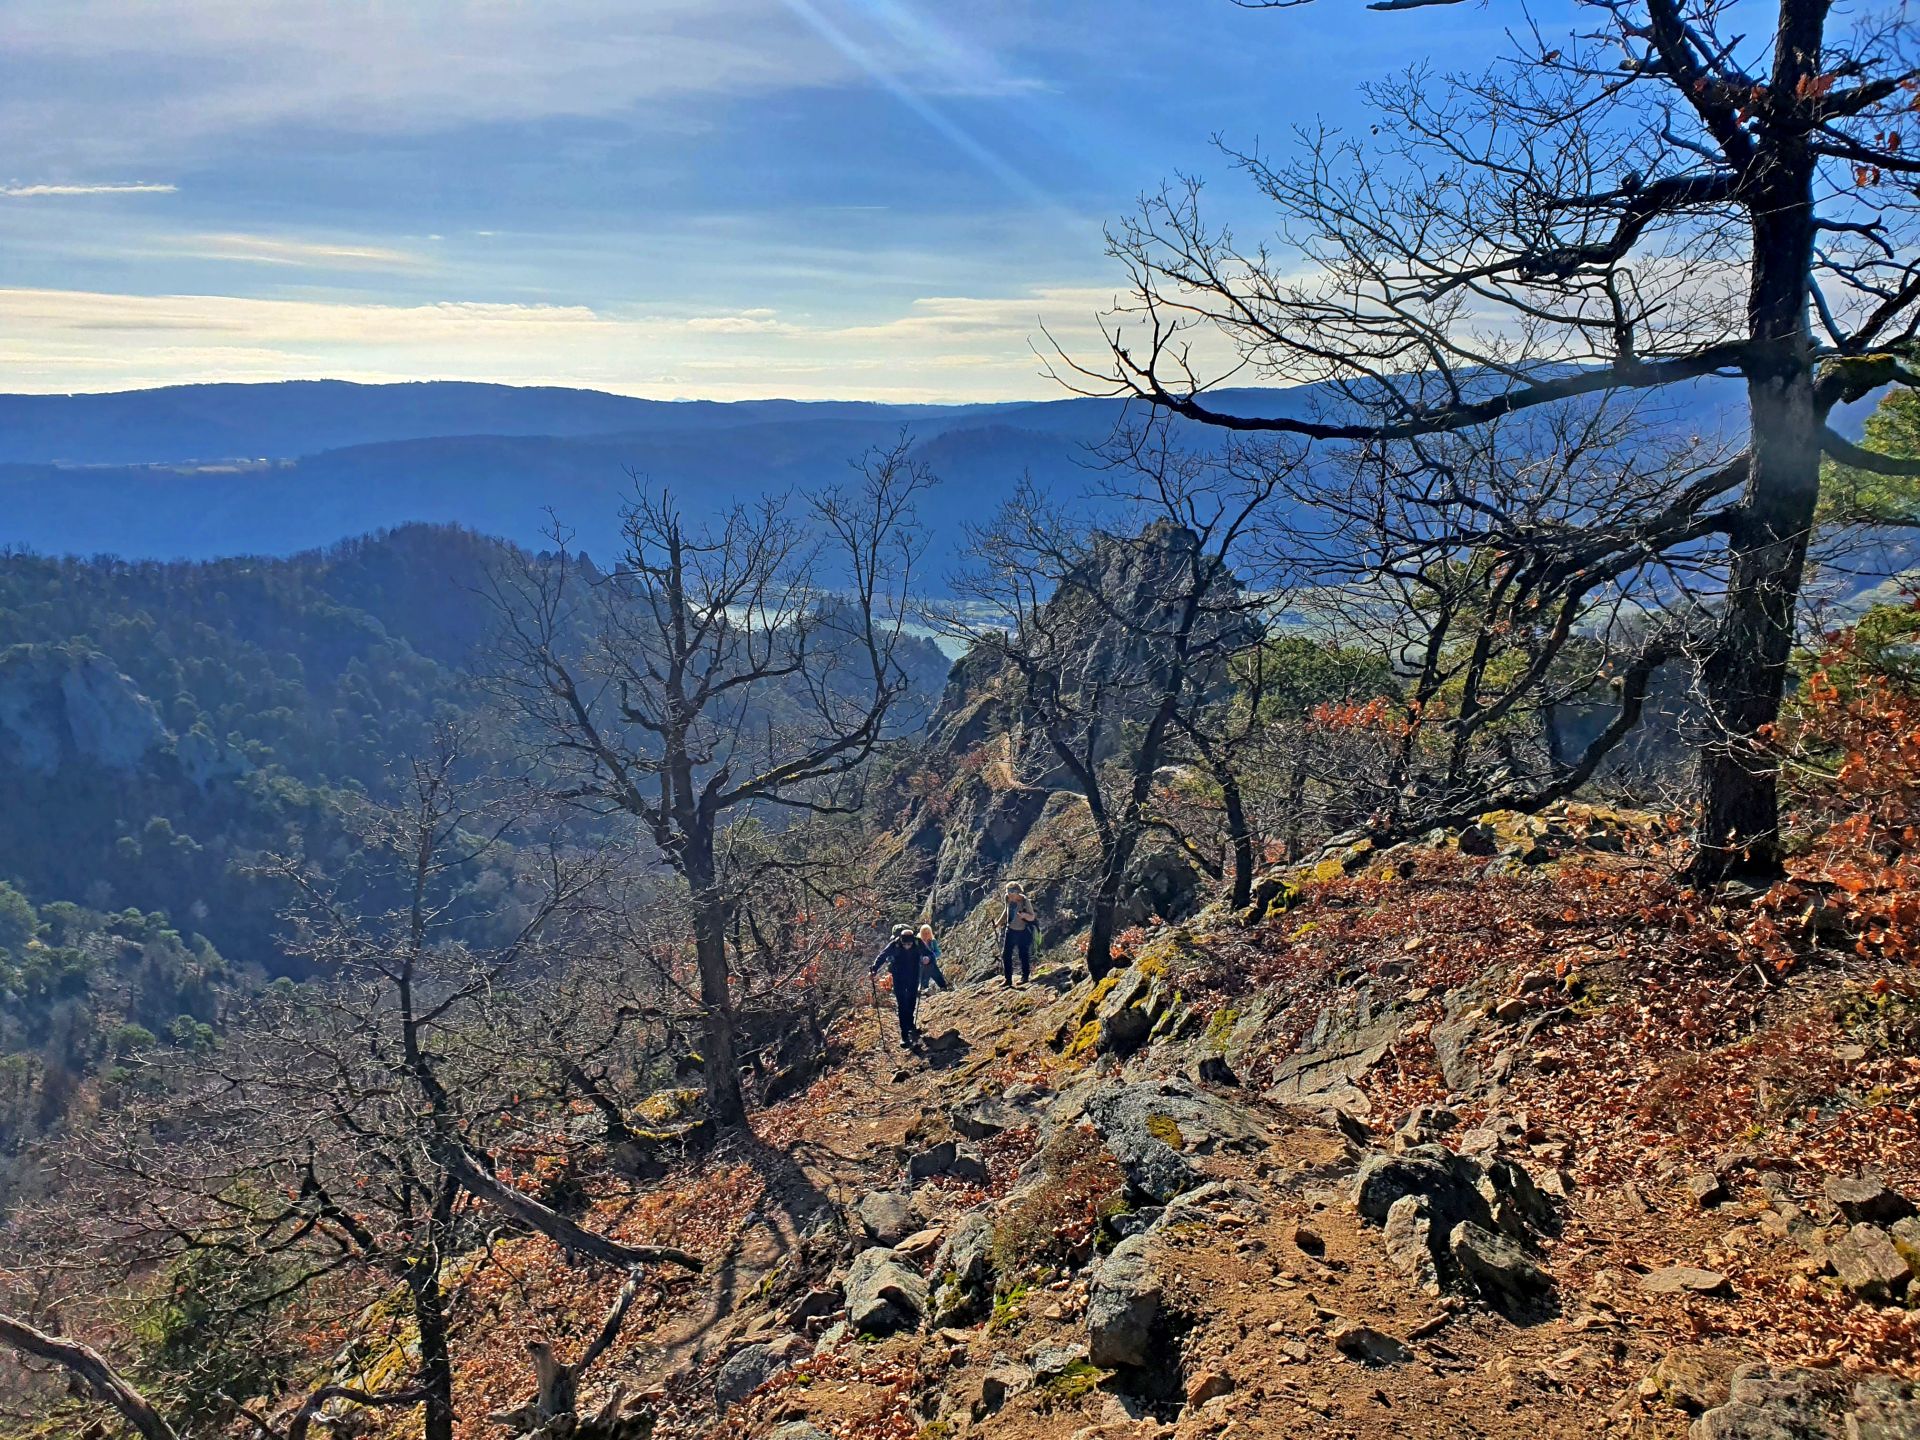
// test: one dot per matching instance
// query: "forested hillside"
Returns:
(163, 724)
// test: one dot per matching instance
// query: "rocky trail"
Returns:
(1124, 1209)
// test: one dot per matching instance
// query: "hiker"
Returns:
(1017, 936)
(902, 957)
(930, 972)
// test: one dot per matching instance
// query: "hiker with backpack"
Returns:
(930, 972)
(902, 958)
(1016, 935)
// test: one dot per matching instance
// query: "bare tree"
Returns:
(746, 667)
(1117, 637)
(1662, 198)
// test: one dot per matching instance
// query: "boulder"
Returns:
(922, 1243)
(1866, 1262)
(746, 1370)
(1765, 1403)
(1450, 1194)
(948, 1160)
(1687, 1382)
(815, 1305)
(1706, 1189)
(1050, 1361)
(798, 1430)
(1478, 840)
(984, 1117)
(1423, 1125)
(1123, 1310)
(883, 1295)
(1208, 1385)
(1497, 1267)
(1213, 1070)
(1905, 1238)
(886, 1216)
(1866, 1199)
(932, 1161)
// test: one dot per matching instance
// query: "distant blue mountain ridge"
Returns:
(204, 471)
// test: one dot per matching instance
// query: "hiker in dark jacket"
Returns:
(902, 957)
(1017, 934)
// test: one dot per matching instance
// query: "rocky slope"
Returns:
(1458, 1202)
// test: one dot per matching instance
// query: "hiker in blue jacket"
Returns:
(930, 972)
(902, 958)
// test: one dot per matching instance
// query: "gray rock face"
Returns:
(1497, 1267)
(798, 1430)
(56, 704)
(886, 1216)
(883, 1296)
(1124, 1307)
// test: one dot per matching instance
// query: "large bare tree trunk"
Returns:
(436, 1362)
(722, 1065)
(725, 1104)
(1745, 676)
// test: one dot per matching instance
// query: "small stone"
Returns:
(1309, 1242)
(1706, 1189)
(1369, 1346)
(1208, 1385)
(1510, 1009)
(1684, 1280)
(997, 1386)
(921, 1243)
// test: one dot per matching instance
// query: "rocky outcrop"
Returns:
(1454, 1223)
(59, 705)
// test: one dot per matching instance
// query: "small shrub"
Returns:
(1057, 1219)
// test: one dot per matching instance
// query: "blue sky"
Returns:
(722, 198)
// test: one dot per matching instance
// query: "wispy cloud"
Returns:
(309, 254)
(130, 187)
